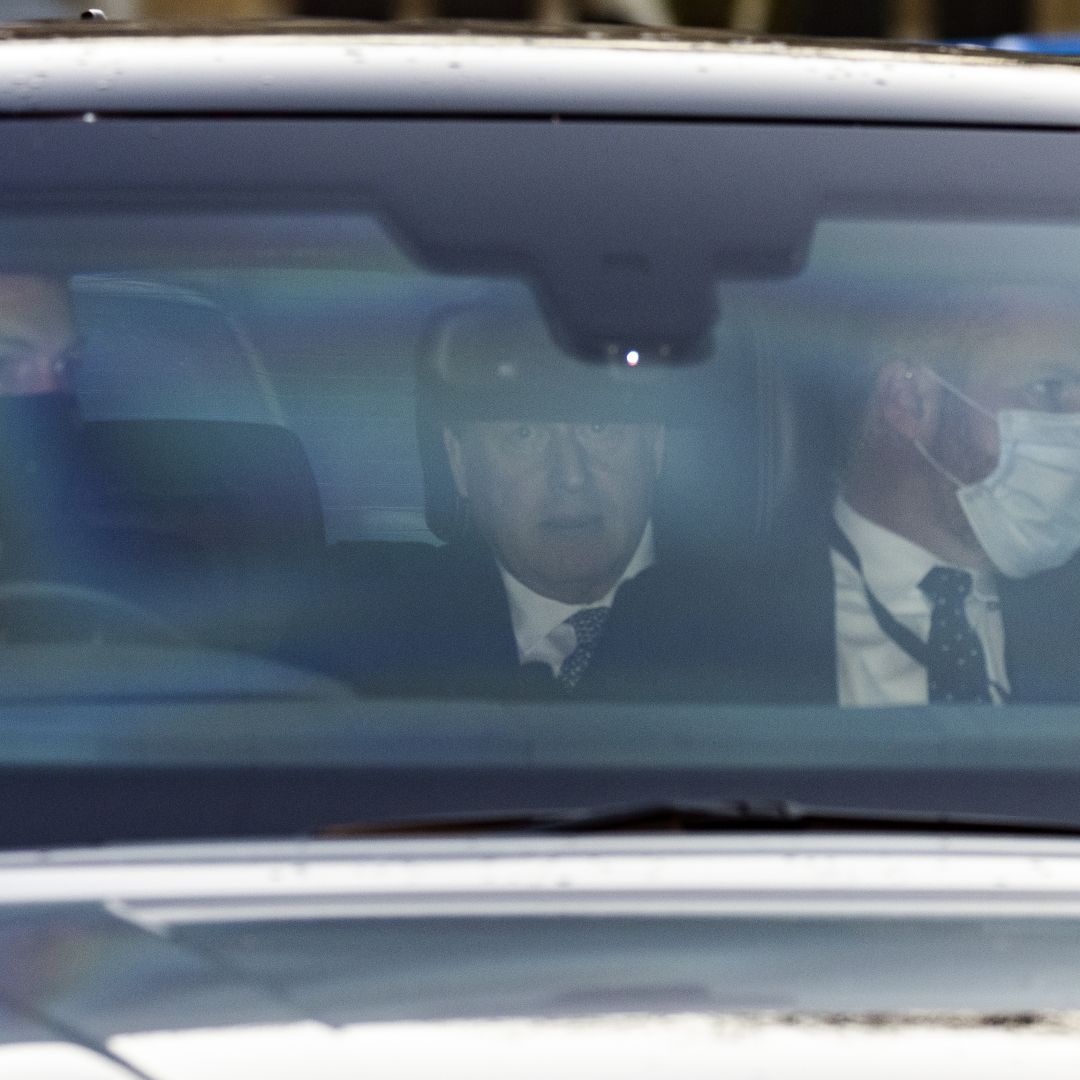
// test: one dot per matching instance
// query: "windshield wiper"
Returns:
(780, 815)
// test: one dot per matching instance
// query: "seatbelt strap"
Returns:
(890, 626)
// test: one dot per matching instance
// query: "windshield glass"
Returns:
(536, 464)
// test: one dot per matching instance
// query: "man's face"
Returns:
(37, 335)
(563, 505)
(1033, 364)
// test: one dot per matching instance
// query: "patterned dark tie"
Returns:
(955, 663)
(588, 624)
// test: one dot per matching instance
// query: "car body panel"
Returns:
(755, 954)
(388, 955)
(483, 72)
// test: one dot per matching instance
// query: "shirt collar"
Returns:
(535, 616)
(892, 565)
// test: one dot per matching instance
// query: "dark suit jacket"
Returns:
(417, 620)
(1042, 635)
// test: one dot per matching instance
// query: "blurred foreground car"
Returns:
(218, 864)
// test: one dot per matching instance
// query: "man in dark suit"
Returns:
(541, 474)
(64, 565)
(39, 426)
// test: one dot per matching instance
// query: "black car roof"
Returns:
(438, 68)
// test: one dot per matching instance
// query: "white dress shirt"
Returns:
(540, 622)
(871, 668)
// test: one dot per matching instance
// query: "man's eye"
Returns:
(597, 431)
(607, 435)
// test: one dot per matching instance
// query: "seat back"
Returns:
(225, 483)
(152, 350)
(211, 522)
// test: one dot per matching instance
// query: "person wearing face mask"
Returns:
(959, 503)
(37, 336)
(73, 565)
(39, 428)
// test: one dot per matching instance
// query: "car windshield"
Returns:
(363, 470)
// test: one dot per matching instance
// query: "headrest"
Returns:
(217, 482)
(496, 360)
(744, 455)
(155, 350)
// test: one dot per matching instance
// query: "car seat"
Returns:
(214, 524)
(154, 350)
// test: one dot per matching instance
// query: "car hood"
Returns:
(531, 955)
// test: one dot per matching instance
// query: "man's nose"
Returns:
(568, 463)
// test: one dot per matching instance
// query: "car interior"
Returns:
(246, 426)
(248, 387)
(243, 429)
